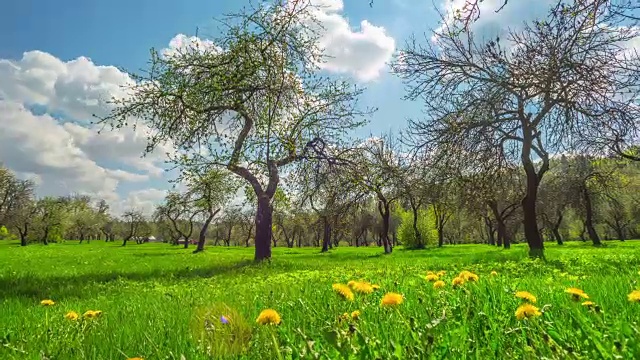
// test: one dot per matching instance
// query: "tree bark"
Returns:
(530, 221)
(263, 221)
(326, 237)
(416, 230)
(45, 236)
(385, 212)
(591, 230)
(556, 228)
(203, 231)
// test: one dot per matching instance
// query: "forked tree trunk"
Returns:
(385, 211)
(263, 221)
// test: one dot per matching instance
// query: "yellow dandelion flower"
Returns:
(589, 304)
(362, 287)
(344, 316)
(525, 295)
(375, 287)
(430, 273)
(468, 276)
(351, 283)
(92, 314)
(441, 273)
(355, 315)
(634, 296)
(71, 315)
(47, 302)
(135, 358)
(391, 299)
(268, 317)
(432, 277)
(526, 311)
(494, 273)
(576, 294)
(343, 291)
(457, 281)
(438, 284)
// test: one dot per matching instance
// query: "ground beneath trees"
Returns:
(163, 302)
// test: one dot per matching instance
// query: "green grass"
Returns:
(157, 301)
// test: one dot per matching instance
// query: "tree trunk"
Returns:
(556, 228)
(326, 237)
(530, 221)
(589, 218)
(416, 230)
(501, 228)
(263, 221)
(45, 236)
(385, 211)
(186, 242)
(506, 240)
(556, 234)
(620, 232)
(490, 231)
(23, 238)
(228, 240)
(203, 231)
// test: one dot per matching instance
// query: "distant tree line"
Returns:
(531, 137)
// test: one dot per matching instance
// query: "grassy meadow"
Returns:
(163, 302)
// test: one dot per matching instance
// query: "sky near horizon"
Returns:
(59, 62)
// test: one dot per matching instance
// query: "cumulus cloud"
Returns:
(140, 200)
(363, 53)
(46, 106)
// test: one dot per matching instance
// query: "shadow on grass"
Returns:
(78, 286)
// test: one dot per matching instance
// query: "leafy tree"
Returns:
(210, 189)
(51, 215)
(254, 104)
(330, 192)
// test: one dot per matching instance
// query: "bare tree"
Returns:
(329, 191)
(546, 88)
(179, 210)
(374, 169)
(135, 225)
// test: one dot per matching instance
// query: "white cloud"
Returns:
(181, 43)
(363, 53)
(141, 200)
(62, 156)
(40, 147)
(47, 104)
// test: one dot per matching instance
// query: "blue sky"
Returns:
(45, 66)
(121, 32)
